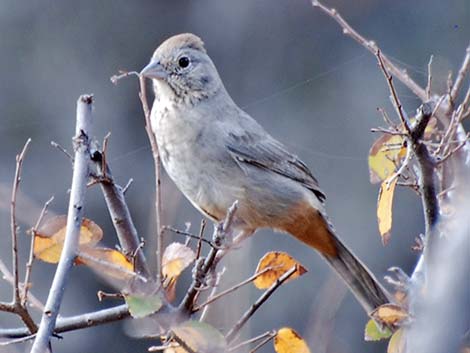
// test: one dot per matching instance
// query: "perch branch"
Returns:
(120, 214)
(157, 165)
(205, 265)
(74, 221)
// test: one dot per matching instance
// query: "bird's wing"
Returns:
(263, 151)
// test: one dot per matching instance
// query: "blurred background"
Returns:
(289, 66)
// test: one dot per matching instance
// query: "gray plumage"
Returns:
(216, 154)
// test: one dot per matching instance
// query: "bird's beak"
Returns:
(154, 70)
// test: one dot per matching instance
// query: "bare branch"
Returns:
(429, 84)
(270, 334)
(232, 289)
(13, 225)
(464, 70)
(8, 276)
(72, 323)
(396, 100)
(120, 214)
(63, 150)
(157, 165)
(203, 266)
(187, 234)
(232, 334)
(372, 47)
(29, 264)
(74, 221)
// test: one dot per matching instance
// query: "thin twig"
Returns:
(13, 225)
(122, 74)
(201, 238)
(396, 100)
(429, 84)
(187, 234)
(29, 264)
(233, 332)
(232, 289)
(104, 154)
(215, 285)
(372, 47)
(126, 187)
(63, 150)
(74, 221)
(269, 334)
(8, 276)
(403, 165)
(203, 266)
(17, 340)
(464, 70)
(387, 131)
(157, 165)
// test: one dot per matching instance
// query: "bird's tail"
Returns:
(365, 287)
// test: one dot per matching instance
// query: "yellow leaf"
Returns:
(108, 262)
(289, 341)
(386, 152)
(50, 237)
(279, 263)
(175, 259)
(397, 342)
(384, 209)
(390, 314)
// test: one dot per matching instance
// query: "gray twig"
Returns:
(29, 264)
(74, 221)
(232, 334)
(14, 225)
(372, 47)
(120, 214)
(268, 334)
(157, 165)
(464, 70)
(207, 264)
(77, 322)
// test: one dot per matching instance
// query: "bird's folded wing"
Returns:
(264, 152)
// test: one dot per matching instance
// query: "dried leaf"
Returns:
(142, 306)
(200, 337)
(289, 341)
(176, 258)
(109, 262)
(384, 209)
(374, 333)
(384, 155)
(50, 237)
(390, 314)
(280, 263)
(397, 342)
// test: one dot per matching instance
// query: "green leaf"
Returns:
(375, 333)
(142, 306)
(200, 337)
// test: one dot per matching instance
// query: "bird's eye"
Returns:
(183, 62)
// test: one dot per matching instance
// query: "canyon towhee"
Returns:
(216, 154)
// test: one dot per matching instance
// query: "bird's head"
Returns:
(181, 70)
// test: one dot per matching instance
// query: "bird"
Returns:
(217, 154)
